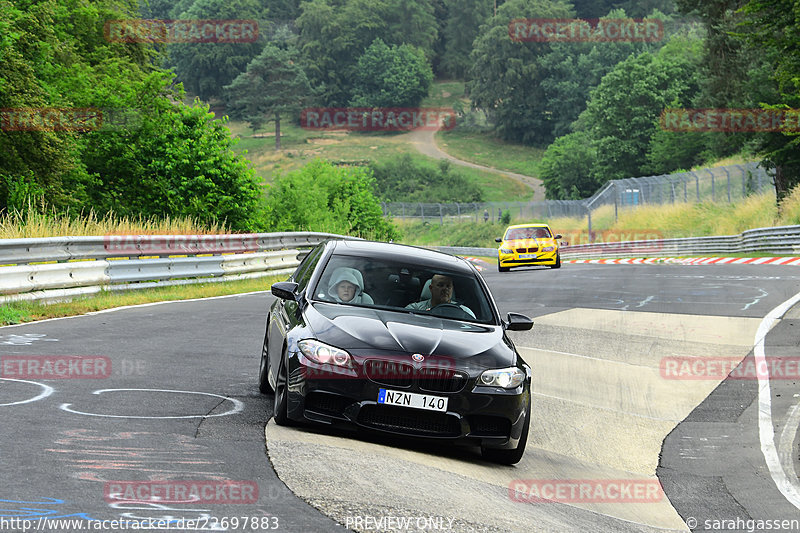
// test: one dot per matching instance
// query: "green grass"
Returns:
(27, 311)
(484, 149)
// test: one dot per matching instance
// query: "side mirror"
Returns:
(285, 290)
(498, 239)
(518, 322)
(558, 236)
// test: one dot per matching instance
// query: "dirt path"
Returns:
(425, 142)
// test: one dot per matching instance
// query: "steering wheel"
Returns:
(450, 310)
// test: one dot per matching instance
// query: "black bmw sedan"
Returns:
(397, 339)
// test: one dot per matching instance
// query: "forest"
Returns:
(93, 120)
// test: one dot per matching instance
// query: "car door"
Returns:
(285, 313)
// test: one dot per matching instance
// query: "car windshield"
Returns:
(401, 286)
(527, 233)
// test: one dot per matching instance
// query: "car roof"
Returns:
(413, 254)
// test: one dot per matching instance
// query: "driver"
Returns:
(441, 293)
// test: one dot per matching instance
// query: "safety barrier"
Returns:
(85, 265)
(777, 240)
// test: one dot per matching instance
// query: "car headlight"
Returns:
(506, 378)
(548, 248)
(324, 354)
(506, 251)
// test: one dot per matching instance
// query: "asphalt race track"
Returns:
(169, 397)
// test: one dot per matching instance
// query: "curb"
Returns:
(792, 261)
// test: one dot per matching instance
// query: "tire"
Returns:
(263, 372)
(501, 268)
(510, 457)
(558, 261)
(281, 410)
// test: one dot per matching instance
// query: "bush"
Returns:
(327, 198)
(404, 180)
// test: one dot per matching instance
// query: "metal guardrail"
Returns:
(778, 240)
(85, 265)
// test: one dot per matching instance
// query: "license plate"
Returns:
(412, 399)
(527, 256)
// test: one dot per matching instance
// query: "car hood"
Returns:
(368, 331)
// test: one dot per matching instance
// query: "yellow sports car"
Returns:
(527, 245)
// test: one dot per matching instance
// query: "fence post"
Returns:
(589, 214)
(441, 218)
(422, 210)
(728, 176)
(713, 191)
(685, 196)
(616, 201)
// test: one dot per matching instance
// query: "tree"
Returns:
(396, 76)
(464, 19)
(775, 31)
(273, 85)
(205, 68)
(506, 75)
(622, 115)
(334, 34)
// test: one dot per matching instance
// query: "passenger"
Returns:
(345, 287)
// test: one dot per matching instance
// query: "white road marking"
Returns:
(237, 405)
(46, 391)
(790, 488)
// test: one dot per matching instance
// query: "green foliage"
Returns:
(505, 218)
(621, 123)
(463, 22)
(334, 34)
(329, 198)
(567, 166)
(506, 75)
(205, 68)
(396, 76)
(404, 180)
(179, 162)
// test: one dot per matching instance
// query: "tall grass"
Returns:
(34, 222)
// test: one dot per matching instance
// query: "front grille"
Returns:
(327, 404)
(390, 373)
(440, 380)
(409, 421)
(489, 426)
(526, 250)
(403, 375)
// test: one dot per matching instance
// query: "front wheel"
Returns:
(263, 371)
(281, 408)
(558, 261)
(510, 457)
(501, 268)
